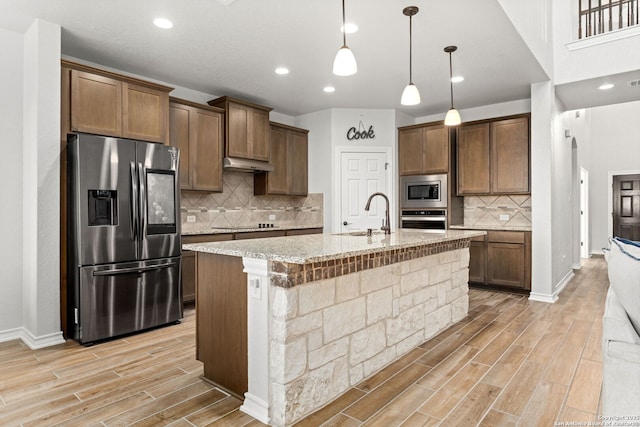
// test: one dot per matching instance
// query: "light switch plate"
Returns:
(504, 217)
(191, 218)
(272, 217)
(255, 288)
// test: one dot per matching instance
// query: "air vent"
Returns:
(634, 83)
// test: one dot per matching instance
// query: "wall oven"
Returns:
(423, 191)
(424, 219)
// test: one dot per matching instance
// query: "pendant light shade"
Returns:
(453, 117)
(410, 94)
(345, 63)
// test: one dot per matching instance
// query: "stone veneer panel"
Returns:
(360, 320)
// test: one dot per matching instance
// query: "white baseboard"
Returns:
(256, 407)
(31, 340)
(551, 298)
(576, 266)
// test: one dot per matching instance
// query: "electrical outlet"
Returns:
(191, 218)
(272, 217)
(504, 217)
(255, 289)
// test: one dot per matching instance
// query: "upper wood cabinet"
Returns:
(423, 149)
(197, 131)
(493, 157)
(246, 128)
(289, 157)
(106, 103)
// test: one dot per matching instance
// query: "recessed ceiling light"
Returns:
(329, 89)
(606, 86)
(457, 79)
(350, 27)
(282, 71)
(163, 23)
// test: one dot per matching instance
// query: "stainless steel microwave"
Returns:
(423, 191)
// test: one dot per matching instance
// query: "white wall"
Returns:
(615, 146)
(533, 21)
(11, 51)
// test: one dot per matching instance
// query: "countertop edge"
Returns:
(490, 227)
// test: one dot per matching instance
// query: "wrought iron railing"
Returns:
(602, 16)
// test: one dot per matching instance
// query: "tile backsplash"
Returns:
(487, 210)
(236, 206)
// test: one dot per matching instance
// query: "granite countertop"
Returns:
(323, 247)
(227, 230)
(492, 227)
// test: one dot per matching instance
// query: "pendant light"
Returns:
(453, 117)
(345, 62)
(410, 94)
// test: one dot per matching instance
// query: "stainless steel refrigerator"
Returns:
(123, 237)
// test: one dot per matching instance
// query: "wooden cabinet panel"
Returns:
(473, 159)
(197, 131)
(260, 234)
(297, 163)
(145, 113)
(505, 264)
(96, 104)
(510, 156)
(303, 231)
(410, 155)
(246, 130)
(436, 149)
(289, 157)
(423, 150)
(277, 182)
(506, 237)
(221, 324)
(179, 138)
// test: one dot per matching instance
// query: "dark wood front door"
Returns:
(626, 206)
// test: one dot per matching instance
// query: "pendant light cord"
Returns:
(451, 79)
(344, 27)
(410, 51)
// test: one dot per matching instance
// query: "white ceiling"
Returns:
(225, 47)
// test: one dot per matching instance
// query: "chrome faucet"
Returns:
(386, 224)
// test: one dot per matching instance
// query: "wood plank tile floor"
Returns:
(511, 362)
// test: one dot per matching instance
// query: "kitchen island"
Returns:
(304, 318)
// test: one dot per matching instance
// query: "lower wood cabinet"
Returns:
(501, 259)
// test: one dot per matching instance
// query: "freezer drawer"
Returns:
(118, 299)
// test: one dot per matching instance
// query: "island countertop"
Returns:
(324, 247)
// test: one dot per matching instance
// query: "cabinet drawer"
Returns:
(478, 238)
(505, 236)
(200, 238)
(260, 234)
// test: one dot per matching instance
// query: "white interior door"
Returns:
(362, 174)
(584, 213)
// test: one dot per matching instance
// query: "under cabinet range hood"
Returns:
(246, 165)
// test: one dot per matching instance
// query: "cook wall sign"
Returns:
(361, 132)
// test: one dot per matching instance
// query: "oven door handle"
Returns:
(423, 218)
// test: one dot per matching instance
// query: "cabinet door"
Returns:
(473, 159)
(205, 152)
(277, 180)
(258, 134)
(410, 155)
(145, 113)
(477, 262)
(236, 143)
(436, 149)
(179, 138)
(510, 156)
(96, 104)
(506, 264)
(297, 161)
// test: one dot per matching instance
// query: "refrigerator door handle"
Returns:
(142, 196)
(134, 203)
(134, 269)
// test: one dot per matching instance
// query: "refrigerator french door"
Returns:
(124, 237)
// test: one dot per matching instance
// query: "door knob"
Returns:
(345, 223)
